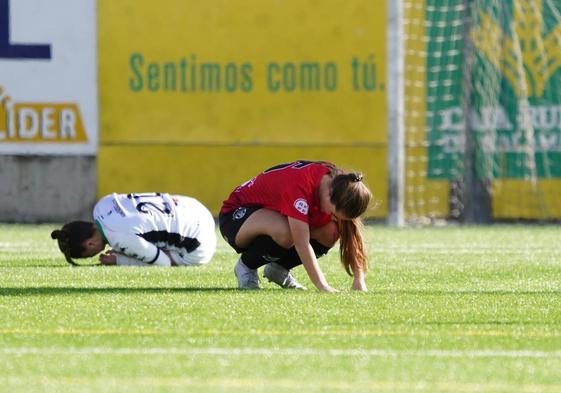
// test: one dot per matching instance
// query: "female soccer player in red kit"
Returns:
(292, 214)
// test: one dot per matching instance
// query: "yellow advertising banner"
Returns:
(234, 79)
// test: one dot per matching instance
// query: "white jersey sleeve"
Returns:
(136, 247)
(123, 260)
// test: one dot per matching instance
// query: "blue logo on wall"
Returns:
(17, 51)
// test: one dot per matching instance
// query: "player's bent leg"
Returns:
(322, 239)
(200, 256)
(265, 222)
(326, 235)
(206, 248)
(262, 238)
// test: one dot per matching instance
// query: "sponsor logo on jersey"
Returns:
(301, 205)
(239, 213)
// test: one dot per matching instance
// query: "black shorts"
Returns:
(231, 222)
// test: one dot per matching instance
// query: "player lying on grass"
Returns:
(292, 214)
(143, 230)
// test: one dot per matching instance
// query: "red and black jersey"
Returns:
(290, 189)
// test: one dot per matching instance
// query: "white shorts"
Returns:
(206, 234)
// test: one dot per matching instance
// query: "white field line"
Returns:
(439, 353)
(107, 383)
(470, 251)
(276, 333)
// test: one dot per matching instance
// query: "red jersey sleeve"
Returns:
(296, 200)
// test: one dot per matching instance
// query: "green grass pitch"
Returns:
(450, 309)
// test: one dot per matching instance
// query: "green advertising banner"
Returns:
(512, 94)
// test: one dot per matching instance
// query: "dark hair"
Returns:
(351, 197)
(71, 237)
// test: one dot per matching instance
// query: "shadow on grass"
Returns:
(6, 265)
(50, 266)
(48, 291)
(34, 291)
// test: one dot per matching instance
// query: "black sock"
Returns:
(292, 259)
(262, 250)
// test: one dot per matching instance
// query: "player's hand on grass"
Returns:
(359, 285)
(358, 280)
(328, 289)
(108, 258)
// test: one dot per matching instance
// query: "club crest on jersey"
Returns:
(239, 213)
(301, 205)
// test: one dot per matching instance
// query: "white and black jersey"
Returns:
(150, 228)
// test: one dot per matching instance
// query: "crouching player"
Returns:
(149, 229)
(292, 214)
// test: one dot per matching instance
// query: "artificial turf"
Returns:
(450, 309)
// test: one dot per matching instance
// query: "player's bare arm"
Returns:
(301, 234)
